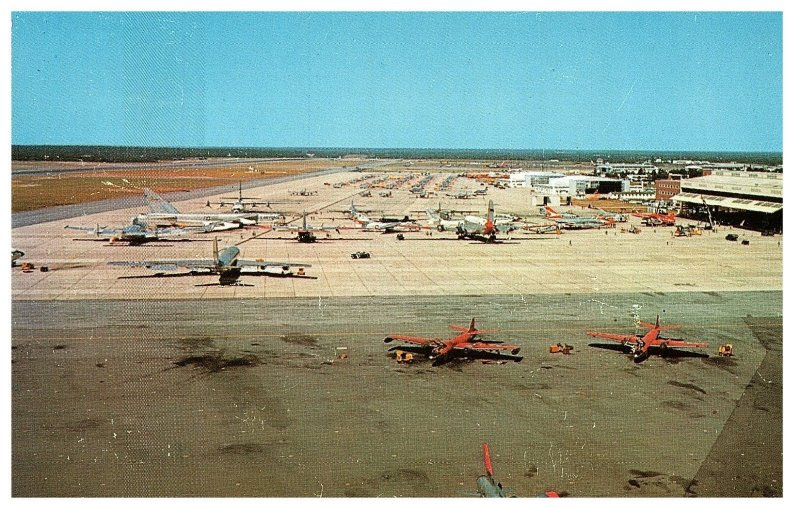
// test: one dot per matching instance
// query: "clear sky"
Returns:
(625, 81)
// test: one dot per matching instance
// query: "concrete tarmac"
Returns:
(426, 263)
(252, 397)
(153, 386)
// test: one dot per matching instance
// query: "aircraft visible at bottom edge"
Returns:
(490, 488)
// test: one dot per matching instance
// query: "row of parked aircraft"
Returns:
(163, 221)
(467, 345)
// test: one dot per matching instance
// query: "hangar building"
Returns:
(742, 198)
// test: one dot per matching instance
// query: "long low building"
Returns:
(742, 198)
(581, 185)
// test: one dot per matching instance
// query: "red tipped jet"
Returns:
(643, 345)
(462, 346)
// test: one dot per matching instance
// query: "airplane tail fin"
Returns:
(305, 224)
(489, 227)
(215, 247)
(472, 325)
(487, 461)
(658, 325)
(158, 204)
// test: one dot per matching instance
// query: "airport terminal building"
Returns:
(746, 199)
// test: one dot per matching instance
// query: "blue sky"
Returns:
(626, 81)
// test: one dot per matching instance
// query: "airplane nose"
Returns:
(387, 340)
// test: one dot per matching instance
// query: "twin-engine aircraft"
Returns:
(462, 346)
(225, 262)
(643, 345)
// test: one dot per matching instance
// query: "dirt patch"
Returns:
(686, 386)
(215, 362)
(726, 363)
(196, 343)
(295, 338)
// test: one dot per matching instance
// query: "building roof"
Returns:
(535, 174)
(767, 207)
(738, 182)
(588, 178)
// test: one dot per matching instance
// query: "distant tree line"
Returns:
(91, 153)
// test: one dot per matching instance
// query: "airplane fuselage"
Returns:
(169, 218)
(441, 351)
(641, 349)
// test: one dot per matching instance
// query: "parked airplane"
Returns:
(654, 219)
(472, 227)
(569, 221)
(163, 213)
(462, 195)
(643, 345)
(302, 192)
(436, 220)
(387, 225)
(611, 217)
(305, 232)
(463, 345)
(16, 254)
(225, 262)
(242, 204)
(136, 234)
(484, 229)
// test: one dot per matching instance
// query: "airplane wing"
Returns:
(679, 343)
(480, 345)
(158, 204)
(622, 338)
(160, 265)
(506, 227)
(410, 339)
(308, 229)
(263, 263)
(94, 229)
(170, 232)
(489, 353)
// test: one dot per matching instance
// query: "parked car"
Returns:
(732, 237)
(359, 254)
